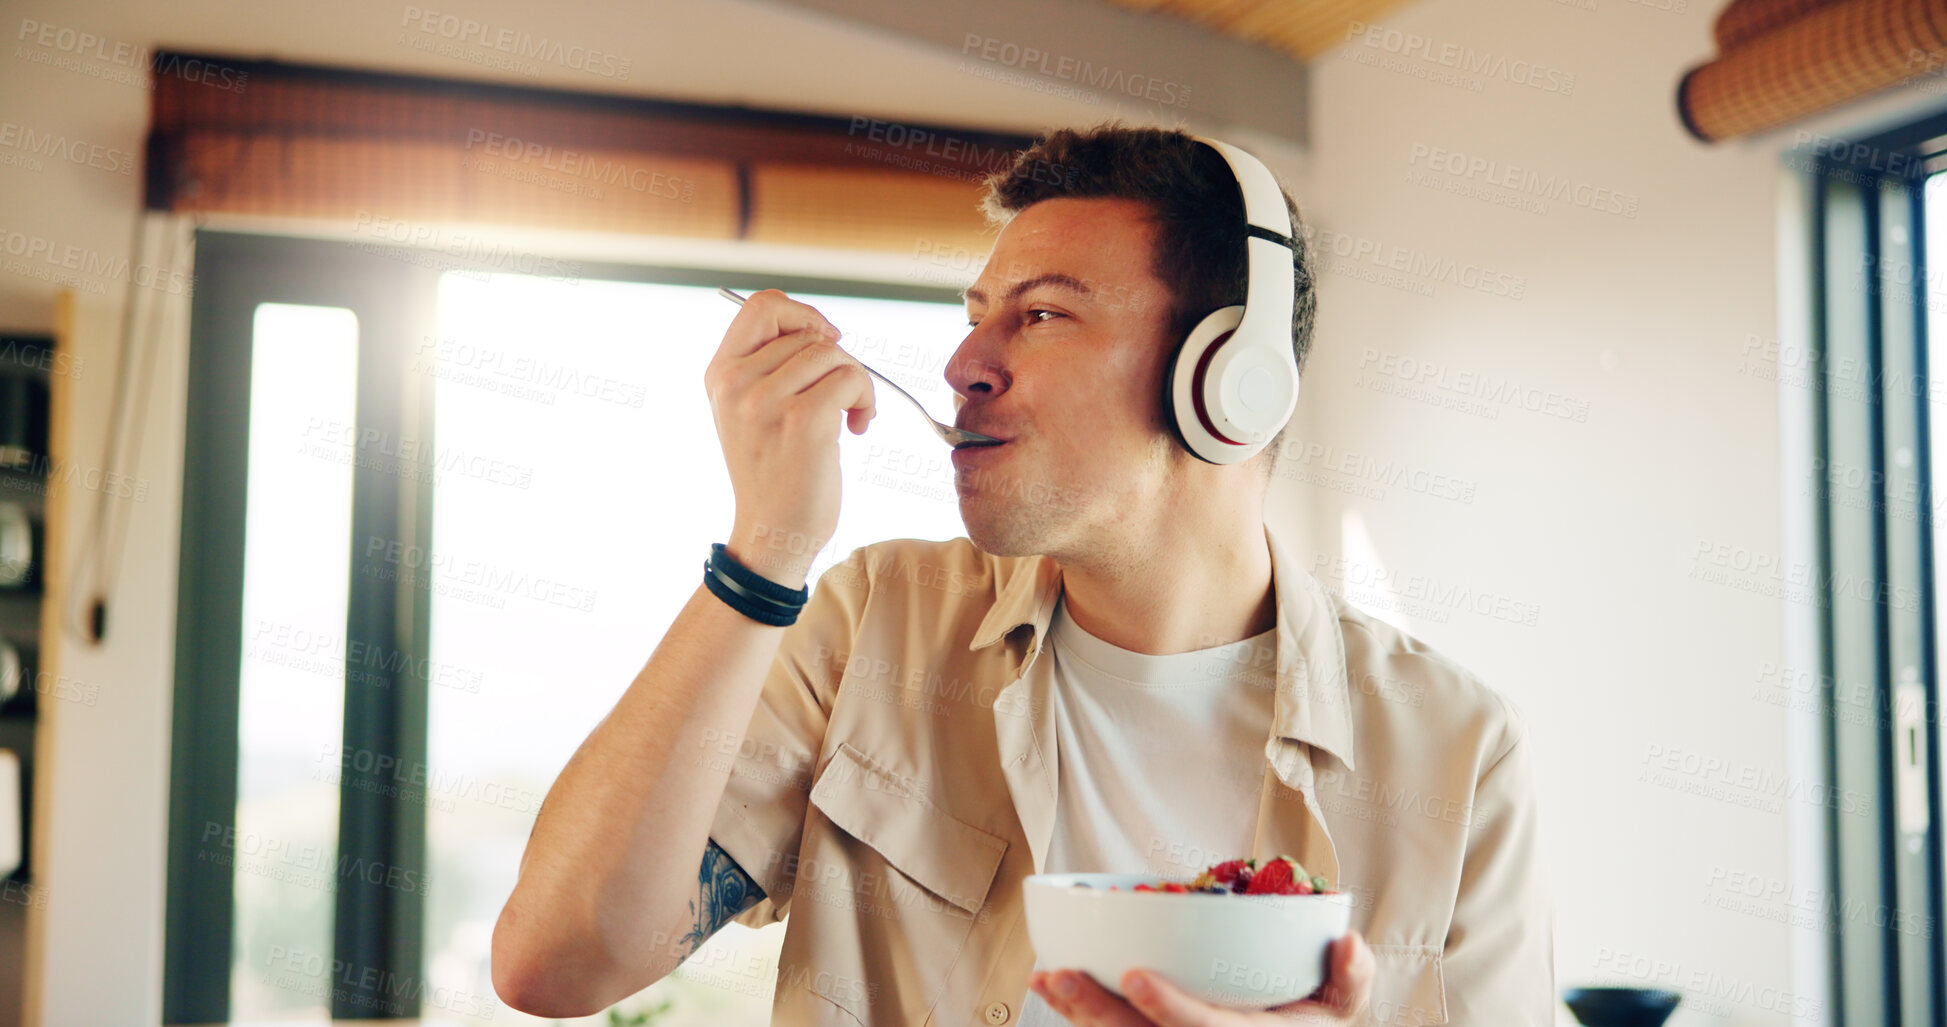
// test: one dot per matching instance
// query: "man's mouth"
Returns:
(976, 443)
(968, 450)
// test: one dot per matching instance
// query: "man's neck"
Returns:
(1175, 597)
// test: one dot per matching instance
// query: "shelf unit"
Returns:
(30, 621)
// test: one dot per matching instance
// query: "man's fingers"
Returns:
(781, 350)
(1166, 1004)
(1154, 1000)
(847, 388)
(1091, 1005)
(766, 315)
(1351, 970)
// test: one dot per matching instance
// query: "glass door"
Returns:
(296, 862)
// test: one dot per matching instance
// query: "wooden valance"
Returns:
(1781, 60)
(395, 154)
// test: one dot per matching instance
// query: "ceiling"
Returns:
(1301, 28)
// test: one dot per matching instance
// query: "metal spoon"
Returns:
(955, 437)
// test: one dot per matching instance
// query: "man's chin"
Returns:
(995, 527)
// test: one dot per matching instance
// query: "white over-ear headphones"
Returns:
(1234, 381)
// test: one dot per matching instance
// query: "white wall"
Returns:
(1592, 523)
(1638, 328)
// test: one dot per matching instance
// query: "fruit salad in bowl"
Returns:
(1281, 876)
(1243, 933)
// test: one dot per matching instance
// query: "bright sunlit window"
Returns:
(580, 485)
(297, 548)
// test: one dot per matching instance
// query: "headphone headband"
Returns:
(1263, 201)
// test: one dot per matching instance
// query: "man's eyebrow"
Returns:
(1070, 282)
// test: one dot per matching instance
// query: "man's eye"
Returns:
(1031, 315)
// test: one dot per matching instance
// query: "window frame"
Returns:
(1863, 213)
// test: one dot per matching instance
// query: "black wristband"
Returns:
(749, 593)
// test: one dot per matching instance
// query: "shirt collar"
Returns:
(1312, 692)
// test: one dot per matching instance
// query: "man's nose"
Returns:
(967, 373)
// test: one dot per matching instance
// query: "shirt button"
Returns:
(997, 1013)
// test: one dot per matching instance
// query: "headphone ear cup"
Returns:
(1213, 331)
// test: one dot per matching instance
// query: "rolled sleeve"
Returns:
(760, 820)
(1499, 960)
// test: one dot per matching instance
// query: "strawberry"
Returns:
(1175, 886)
(1226, 872)
(1277, 877)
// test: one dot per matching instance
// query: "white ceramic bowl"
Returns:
(1244, 951)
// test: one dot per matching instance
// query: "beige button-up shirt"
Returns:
(897, 782)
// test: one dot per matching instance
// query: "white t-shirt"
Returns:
(1161, 758)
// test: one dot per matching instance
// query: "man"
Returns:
(1119, 669)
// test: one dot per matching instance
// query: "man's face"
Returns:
(1065, 360)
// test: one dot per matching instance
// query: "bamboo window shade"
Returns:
(1782, 60)
(287, 140)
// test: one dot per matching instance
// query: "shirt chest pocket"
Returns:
(894, 879)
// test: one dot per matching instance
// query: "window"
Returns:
(1876, 210)
(527, 479)
(291, 696)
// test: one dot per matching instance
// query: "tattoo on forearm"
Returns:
(723, 891)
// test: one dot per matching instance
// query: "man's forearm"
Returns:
(602, 904)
